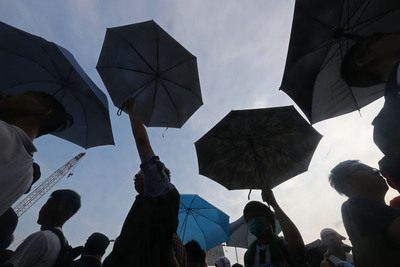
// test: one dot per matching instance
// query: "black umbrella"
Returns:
(30, 63)
(322, 32)
(253, 149)
(143, 61)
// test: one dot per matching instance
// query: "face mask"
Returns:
(258, 226)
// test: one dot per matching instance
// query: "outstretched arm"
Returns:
(292, 235)
(139, 131)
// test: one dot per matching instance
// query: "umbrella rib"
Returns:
(216, 223)
(362, 13)
(134, 49)
(340, 42)
(256, 160)
(141, 88)
(184, 224)
(371, 20)
(83, 110)
(324, 24)
(181, 86)
(177, 64)
(126, 68)
(44, 51)
(288, 155)
(170, 98)
(203, 233)
(27, 83)
(30, 60)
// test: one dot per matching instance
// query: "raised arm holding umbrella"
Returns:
(269, 248)
(146, 235)
(292, 235)
(144, 62)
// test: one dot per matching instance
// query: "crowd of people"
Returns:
(148, 236)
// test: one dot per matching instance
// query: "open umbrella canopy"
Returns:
(202, 222)
(143, 61)
(30, 63)
(240, 233)
(322, 32)
(257, 148)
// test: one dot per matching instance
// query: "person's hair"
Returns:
(58, 119)
(237, 265)
(70, 198)
(338, 175)
(96, 244)
(352, 73)
(264, 209)
(194, 251)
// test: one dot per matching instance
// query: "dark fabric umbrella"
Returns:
(322, 33)
(202, 222)
(30, 63)
(253, 149)
(143, 61)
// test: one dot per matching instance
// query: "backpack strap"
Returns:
(60, 236)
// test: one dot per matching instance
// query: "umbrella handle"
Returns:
(248, 196)
(119, 112)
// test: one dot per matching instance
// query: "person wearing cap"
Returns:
(372, 226)
(335, 253)
(269, 249)
(146, 235)
(94, 249)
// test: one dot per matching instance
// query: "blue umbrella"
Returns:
(30, 63)
(202, 222)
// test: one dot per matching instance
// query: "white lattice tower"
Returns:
(45, 186)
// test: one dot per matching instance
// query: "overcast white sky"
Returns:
(241, 51)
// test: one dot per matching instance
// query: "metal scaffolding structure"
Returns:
(46, 185)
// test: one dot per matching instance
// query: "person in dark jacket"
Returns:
(146, 235)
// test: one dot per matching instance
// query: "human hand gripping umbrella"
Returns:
(30, 63)
(322, 33)
(144, 62)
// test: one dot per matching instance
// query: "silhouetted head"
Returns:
(331, 238)
(255, 209)
(353, 178)
(96, 244)
(195, 255)
(61, 205)
(39, 106)
(57, 119)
